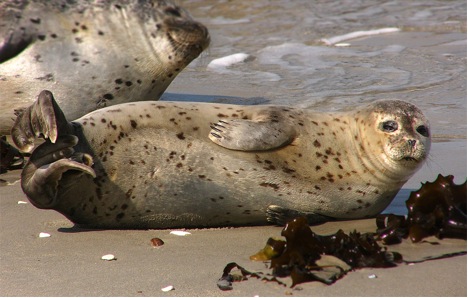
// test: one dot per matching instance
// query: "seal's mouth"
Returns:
(409, 158)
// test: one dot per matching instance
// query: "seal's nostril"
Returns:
(173, 12)
(412, 143)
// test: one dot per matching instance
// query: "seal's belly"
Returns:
(154, 177)
(187, 180)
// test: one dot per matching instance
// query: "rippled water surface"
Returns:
(424, 63)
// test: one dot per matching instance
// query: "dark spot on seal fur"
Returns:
(133, 123)
(317, 143)
(35, 21)
(272, 185)
(108, 96)
(181, 136)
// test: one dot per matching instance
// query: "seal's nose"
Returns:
(412, 143)
(188, 32)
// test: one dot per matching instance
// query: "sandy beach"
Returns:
(68, 263)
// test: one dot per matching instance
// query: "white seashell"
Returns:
(167, 289)
(342, 44)
(227, 61)
(108, 257)
(44, 235)
(22, 202)
(337, 39)
(372, 276)
(180, 233)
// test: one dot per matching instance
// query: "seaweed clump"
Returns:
(306, 256)
(304, 248)
(437, 209)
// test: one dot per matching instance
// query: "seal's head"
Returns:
(402, 132)
(172, 29)
(121, 51)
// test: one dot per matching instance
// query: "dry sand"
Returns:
(69, 262)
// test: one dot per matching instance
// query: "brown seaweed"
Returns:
(437, 209)
(306, 256)
(235, 273)
(304, 248)
(274, 247)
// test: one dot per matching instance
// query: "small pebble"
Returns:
(372, 276)
(180, 233)
(168, 288)
(44, 235)
(156, 242)
(343, 44)
(108, 257)
(22, 202)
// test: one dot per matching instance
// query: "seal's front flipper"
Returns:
(280, 216)
(41, 176)
(251, 135)
(43, 118)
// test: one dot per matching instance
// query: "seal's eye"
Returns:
(389, 126)
(423, 130)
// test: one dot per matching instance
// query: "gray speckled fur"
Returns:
(92, 54)
(156, 167)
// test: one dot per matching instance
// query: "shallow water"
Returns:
(424, 63)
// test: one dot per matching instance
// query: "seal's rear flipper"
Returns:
(280, 216)
(251, 135)
(44, 169)
(43, 118)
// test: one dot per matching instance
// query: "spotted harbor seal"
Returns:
(178, 164)
(92, 54)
